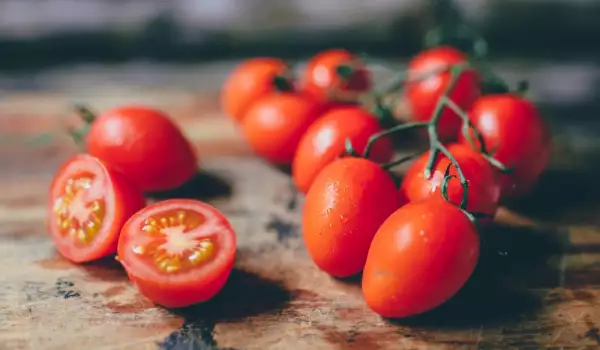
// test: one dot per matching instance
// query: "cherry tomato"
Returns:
(88, 204)
(422, 96)
(178, 252)
(483, 181)
(274, 124)
(248, 82)
(518, 137)
(325, 140)
(344, 207)
(321, 77)
(420, 257)
(143, 144)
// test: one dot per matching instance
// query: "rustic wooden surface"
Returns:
(537, 284)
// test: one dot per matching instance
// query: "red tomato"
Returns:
(178, 252)
(512, 128)
(274, 125)
(88, 204)
(344, 207)
(321, 76)
(143, 144)
(325, 140)
(422, 96)
(420, 257)
(248, 82)
(484, 185)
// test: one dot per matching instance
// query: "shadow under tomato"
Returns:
(204, 185)
(105, 269)
(562, 195)
(511, 262)
(244, 295)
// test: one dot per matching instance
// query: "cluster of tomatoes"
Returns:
(418, 244)
(177, 252)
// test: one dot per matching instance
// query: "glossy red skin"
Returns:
(420, 257)
(143, 144)
(320, 76)
(347, 202)
(122, 199)
(483, 180)
(422, 96)
(274, 125)
(188, 287)
(325, 140)
(513, 129)
(248, 82)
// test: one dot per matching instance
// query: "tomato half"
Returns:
(248, 82)
(514, 132)
(274, 124)
(88, 204)
(325, 140)
(420, 257)
(145, 145)
(321, 77)
(422, 96)
(344, 207)
(178, 252)
(483, 180)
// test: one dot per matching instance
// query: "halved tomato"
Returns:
(89, 203)
(178, 252)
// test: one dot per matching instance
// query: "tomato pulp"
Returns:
(89, 203)
(178, 252)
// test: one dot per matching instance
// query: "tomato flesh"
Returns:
(178, 252)
(88, 205)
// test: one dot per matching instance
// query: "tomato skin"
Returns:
(274, 125)
(483, 180)
(344, 207)
(422, 96)
(420, 257)
(325, 140)
(248, 82)
(184, 288)
(512, 128)
(320, 76)
(122, 199)
(143, 144)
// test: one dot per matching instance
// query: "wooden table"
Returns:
(537, 284)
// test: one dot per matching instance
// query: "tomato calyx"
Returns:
(78, 134)
(283, 83)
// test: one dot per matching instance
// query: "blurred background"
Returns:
(90, 50)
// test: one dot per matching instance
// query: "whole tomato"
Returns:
(423, 95)
(248, 82)
(514, 132)
(482, 179)
(420, 257)
(145, 145)
(321, 77)
(325, 140)
(275, 123)
(344, 207)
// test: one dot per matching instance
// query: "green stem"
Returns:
(466, 122)
(455, 73)
(390, 131)
(463, 180)
(390, 165)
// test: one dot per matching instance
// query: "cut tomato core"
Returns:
(80, 211)
(177, 240)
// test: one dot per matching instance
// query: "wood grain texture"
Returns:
(537, 284)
